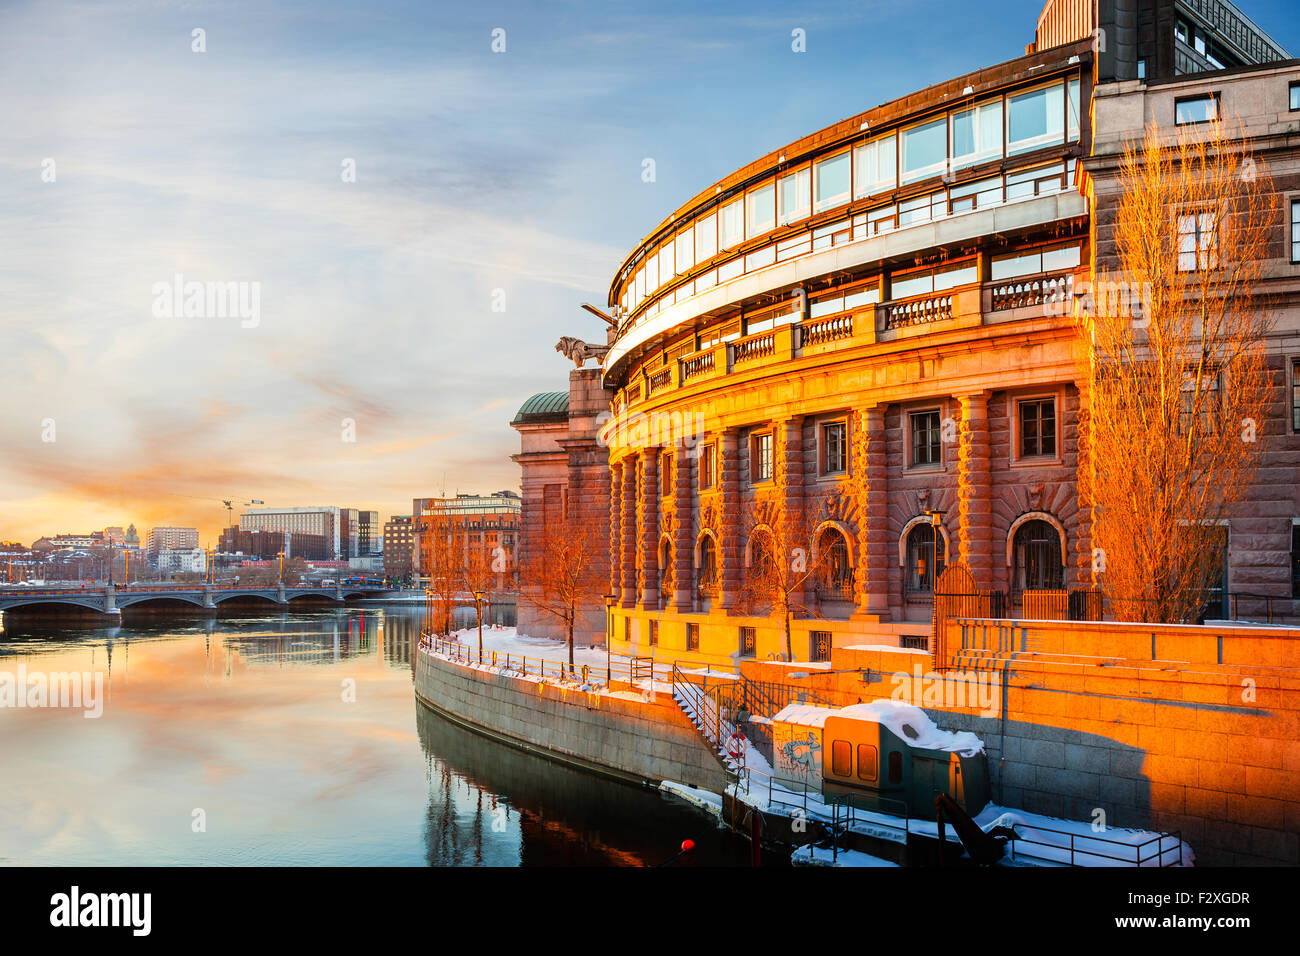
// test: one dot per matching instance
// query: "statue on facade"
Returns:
(579, 351)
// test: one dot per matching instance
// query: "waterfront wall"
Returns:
(627, 737)
(1176, 728)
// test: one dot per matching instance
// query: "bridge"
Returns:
(108, 599)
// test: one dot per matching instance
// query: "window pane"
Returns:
(666, 268)
(1061, 258)
(925, 150)
(1295, 96)
(1006, 267)
(1198, 110)
(875, 166)
(731, 224)
(706, 238)
(951, 278)
(913, 285)
(1072, 110)
(760, 211)
(832, 181)
(685, 250)
(794, 195)
(841, 758)
(1035, 119)
(977, 135)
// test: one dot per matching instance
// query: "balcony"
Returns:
(990, 303)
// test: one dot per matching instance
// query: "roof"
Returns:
(543, 407)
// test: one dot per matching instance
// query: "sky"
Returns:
(416, 218)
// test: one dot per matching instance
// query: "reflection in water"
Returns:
(245, 721)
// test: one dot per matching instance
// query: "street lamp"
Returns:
(478, 612)
(936, 519)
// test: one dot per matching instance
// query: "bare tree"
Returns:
(564, 571)
(1172, 354)
(442, 559)
(784, 561)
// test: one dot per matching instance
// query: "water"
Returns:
(231, 742)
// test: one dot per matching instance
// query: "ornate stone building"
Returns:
(872, 328)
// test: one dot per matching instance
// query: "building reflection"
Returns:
(553, 815)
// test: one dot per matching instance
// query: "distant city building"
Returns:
(270, 544)
(115, 536)
(183, 560)
(399, 547)
(486, 524)
(60, 542)
(132, 539)
(349, 531)
(370, 564)
(170, 539)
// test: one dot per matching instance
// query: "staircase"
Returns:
(705, 713)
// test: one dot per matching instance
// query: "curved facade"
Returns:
(861, 329)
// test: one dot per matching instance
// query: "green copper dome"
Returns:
(543, 407)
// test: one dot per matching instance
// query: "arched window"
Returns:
(707, 572)
(1038, 565)
(922, 564)
(762, 558)
(835, 572)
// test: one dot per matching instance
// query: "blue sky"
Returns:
(475, 171)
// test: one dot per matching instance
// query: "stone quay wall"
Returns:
(626, 737)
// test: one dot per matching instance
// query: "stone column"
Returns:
(871, 482)
(648, 519)
(615, 540)
(1077, 459)
(799, 524)
(627, 529)
(683, 533)
(730, 548)
(975, 496)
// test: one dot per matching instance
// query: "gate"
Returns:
(957, 595)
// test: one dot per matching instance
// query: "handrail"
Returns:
(1137, 860)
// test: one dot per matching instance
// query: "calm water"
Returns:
(245, 720)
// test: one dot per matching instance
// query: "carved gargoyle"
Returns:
(579, 351)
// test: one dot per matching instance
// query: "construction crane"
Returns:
(229, 503)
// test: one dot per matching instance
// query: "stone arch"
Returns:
(907, 529)
(699, 546)
(1027, 517)
(759, 529)
(850, 539)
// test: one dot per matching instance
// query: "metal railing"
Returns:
(1079, 845)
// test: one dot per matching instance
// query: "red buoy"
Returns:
(688, 846)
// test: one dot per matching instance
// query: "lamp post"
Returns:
(280, 557)
(609, 635)
(478, 612)
(936, 519)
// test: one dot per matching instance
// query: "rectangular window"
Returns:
(685, 250)
(761, 458)
(977, 135)
(1036, 119)
(868, 762)
(1295, 560)
(1196, 109)
(692, 637)
(748, 641)
(1054, 259)
(708, 457)
(1295, 230)
(1295, 95)
(706, 238)
(760, 210)
(731, 224)
(819, 645)
(832, 182)
(666, 268)
(665, 475)
(1197, 244)
(841, 758)
(654, 633)
(1037, 428)
(835, 455)
(875, 166)
(925, 150)
(927, 448)
(1072, 116)
(1210, 400)
(1295, 395)
(795, 195)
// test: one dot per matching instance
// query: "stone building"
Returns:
(873, 325)
(565, 478)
